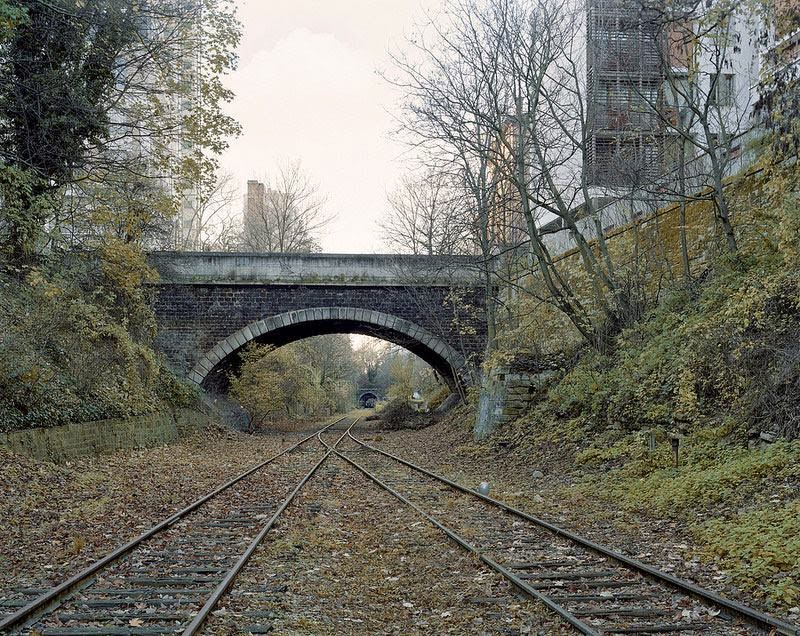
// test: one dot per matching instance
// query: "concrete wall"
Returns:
(102, 436)
(313, 269)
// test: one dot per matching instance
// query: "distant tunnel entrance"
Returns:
(367, 398)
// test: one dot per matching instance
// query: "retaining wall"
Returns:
(102, 436)
(506, 396)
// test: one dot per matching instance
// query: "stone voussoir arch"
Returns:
(377, 319)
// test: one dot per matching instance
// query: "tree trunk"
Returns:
(723, 213)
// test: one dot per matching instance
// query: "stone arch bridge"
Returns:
(208, 306)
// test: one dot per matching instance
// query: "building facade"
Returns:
(663, 94)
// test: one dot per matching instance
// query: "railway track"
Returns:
(593, 588)
(169, 579)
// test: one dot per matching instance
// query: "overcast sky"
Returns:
(307, 88)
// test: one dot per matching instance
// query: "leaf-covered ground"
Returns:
(346, 558)
(56, 519)
(350, 559)
(726, 518)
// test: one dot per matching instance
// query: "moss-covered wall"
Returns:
(87, 438)
(505, 396)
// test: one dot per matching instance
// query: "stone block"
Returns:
(195, 377)
(239, 338)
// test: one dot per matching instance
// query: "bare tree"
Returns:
(427, 216)
(446, 101)
(285, 214)
(708, 101)
(500, 96)
(460, 107)
(213, 224)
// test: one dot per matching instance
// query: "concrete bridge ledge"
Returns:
(218, 268)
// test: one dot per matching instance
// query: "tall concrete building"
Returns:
(186, 77)
(643, 65)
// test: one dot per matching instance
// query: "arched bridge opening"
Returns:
(208, 306)
(214, 367)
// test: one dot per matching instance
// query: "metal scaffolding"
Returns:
(624, 79)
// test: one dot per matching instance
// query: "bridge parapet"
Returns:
(206, 268)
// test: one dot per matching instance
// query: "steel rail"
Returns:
(223, 586)
(573, 620)
(754, 616)
(54, 596)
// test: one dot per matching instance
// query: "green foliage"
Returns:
(124, 270)
(745, 494)
(716, 361)
(710, 473)
(66, 357)
(760, 549)
(306, 378)
(58, 64)
(69, 68)
(402, 376)
(732, 351)
(11, 16)
(271, 383)
(208, 127)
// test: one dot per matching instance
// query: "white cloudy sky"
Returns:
(307, 88)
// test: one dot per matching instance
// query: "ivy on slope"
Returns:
(73, 350)
(720, 368)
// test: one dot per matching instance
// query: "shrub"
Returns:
(760, 549)
(67, 356)
(398, 414)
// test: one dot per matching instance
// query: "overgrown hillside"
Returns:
(75, 344)
(715, 364)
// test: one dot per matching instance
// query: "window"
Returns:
(721, 89)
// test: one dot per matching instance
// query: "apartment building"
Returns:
(624, 78)
(663, 91)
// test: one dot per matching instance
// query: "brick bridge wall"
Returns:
(209, 305)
